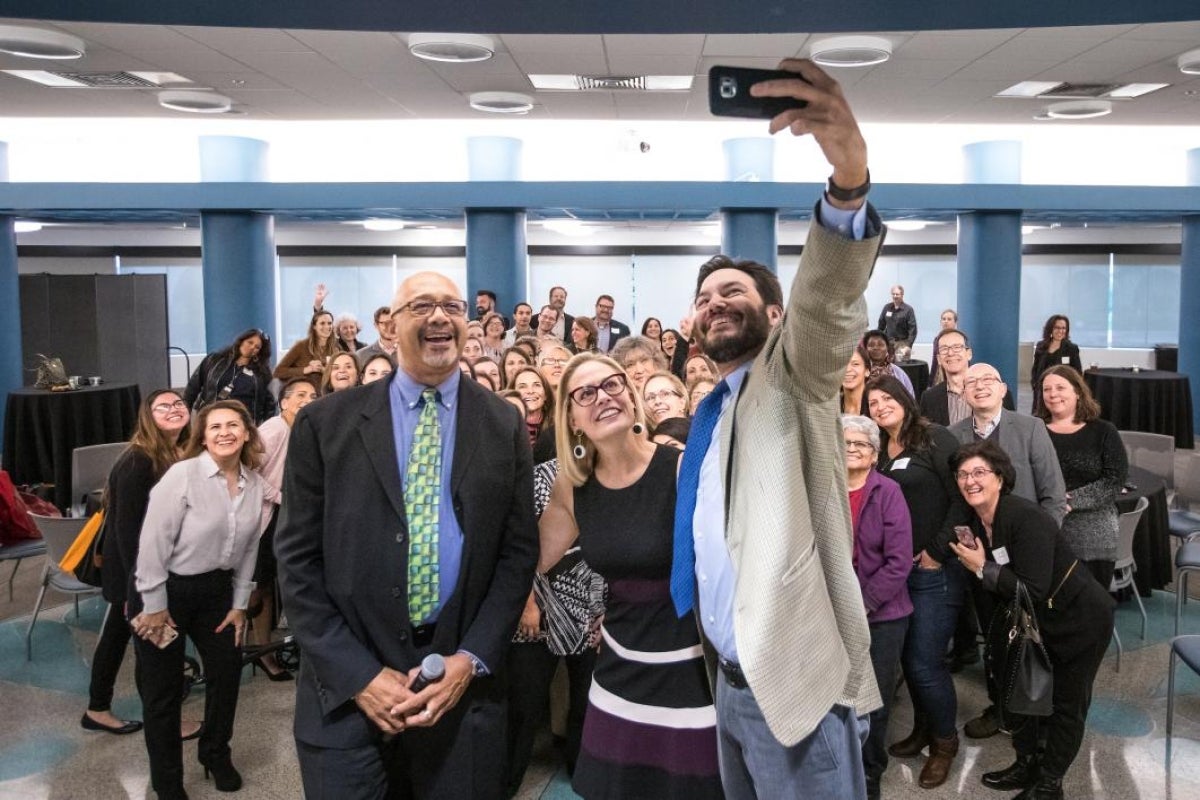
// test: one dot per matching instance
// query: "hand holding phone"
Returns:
(965, 536)
(159, 636)
(729, 92)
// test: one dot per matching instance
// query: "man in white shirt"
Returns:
(385, 345)
(522, 317)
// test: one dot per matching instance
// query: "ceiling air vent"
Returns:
(106, 80)
(611, 83)
(1079, 91)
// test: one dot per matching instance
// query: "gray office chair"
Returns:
(90, 467)
(1151, 451)
(1187, 561)
(57, 533)
(1184, 523)
(1125, 566)
(1188, 649)
(17, 553)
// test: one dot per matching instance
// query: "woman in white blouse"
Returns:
(195, 566)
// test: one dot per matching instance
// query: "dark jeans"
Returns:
(936, 595)
(1062, 731)
(106, 661)
(887, 641)
(198, 604)
(530, 670)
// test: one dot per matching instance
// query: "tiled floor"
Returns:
(44, 754)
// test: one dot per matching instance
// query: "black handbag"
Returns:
(1022, 666)
(88, 570)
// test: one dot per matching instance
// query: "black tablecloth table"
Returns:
(918, 374)
(1152, 540)
(42, 428)
(1149, 400)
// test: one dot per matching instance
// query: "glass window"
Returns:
(185, 303)
(1145, 301)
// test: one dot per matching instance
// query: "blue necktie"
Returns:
(683, 563)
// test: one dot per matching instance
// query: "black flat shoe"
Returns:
(225, 777)
(273, 677)
(130, 726)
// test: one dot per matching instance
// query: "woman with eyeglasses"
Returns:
(1055, 347)
(665, 398)
(238, 372)
(308, 356)
(1013, 539)
(915, 453)
(157, 442)
(650, 729)
(551, 360)
(882, 561)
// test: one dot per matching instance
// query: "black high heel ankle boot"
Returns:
(225, 777)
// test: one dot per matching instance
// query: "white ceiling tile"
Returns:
(562, 63)
(770, 46)
(640, 64)
(584, 45)
(662, 44)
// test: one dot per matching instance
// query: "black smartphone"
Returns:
(729, 93)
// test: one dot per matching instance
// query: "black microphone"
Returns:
(433, 669)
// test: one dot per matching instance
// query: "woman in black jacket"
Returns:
(156, 444)
(238, 372)
(1015, 540)
(1055, 347)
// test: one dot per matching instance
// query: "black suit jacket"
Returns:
(935, 406)
(342, 546)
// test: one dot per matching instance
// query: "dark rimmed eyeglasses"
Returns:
(977, 474)
(424, 308)
(166, 408)
(612, 386)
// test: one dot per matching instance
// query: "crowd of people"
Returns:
(728, 574)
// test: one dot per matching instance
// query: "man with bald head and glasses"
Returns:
(406, 529)
(1022, 437)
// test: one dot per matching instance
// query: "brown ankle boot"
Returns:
(914, 743)
(937, 766)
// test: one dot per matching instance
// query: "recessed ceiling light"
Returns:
(453, 48)
(25, 226)
(1189, 62)
(502, 102)
(195, 102)
(850, 51)
(1029, 88)
(908, 225)
(19, 40)
(1078, 109)
(383, 224)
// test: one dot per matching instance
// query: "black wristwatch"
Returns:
(848, 195)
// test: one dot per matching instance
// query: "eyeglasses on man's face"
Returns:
(166, 408)
(424, 308)
(612, 386)
(951, 349)
(985, 381)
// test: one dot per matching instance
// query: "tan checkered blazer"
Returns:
(802, 636)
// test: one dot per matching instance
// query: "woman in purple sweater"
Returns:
(882, 561)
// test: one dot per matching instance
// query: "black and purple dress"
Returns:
(650, 730)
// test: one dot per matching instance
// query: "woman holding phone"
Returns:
(195, 564)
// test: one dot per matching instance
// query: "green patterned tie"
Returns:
(422, 491)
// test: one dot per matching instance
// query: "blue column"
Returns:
(989, 263)
(989, 287)
(1189, 293)
(10, 303)
(237, 248)
(238, 253)
(750, 233)
(496, 255)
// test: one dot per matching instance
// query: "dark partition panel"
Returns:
(114, 326)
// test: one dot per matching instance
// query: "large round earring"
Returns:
(638, 429)
(579, 451)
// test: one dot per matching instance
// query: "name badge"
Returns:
(887, 313)
(900, 463)
(1001, 555)
(247, 371)
(1066, 360)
